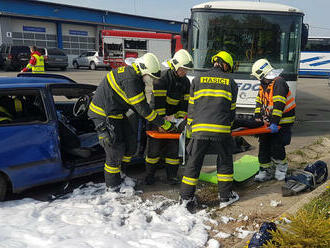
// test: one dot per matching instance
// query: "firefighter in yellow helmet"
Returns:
(123, 89)
(275, 106)
(170, 95)
(36, 63)
(211, 112)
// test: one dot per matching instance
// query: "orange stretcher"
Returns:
(243, 132)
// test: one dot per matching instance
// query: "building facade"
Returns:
(71, 28)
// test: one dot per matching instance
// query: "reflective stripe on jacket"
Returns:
(170, 95)
(120, 90)
(212, 104)
(276, 103)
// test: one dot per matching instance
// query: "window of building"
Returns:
(77, 44)
(34, 39)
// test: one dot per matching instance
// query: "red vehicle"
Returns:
(118, 45)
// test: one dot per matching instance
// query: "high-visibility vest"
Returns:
(267, 100)
(39, 67)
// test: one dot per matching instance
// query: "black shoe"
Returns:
(225, 201)
(173, 181)
(150, 180)
(190, 204)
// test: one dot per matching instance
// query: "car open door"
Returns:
(29, 145)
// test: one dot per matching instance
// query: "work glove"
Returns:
(273, 128)
(169, 127)
(181, 124)
(106, 134)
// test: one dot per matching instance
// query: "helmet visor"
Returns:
(189, 65)
(273, 73)
(155, 74)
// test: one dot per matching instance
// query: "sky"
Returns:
(316, 11)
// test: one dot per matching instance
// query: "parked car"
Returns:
(91, 59)
(52, 139)
(14, 57)
(54, 58)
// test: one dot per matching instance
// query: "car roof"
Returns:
(28, 82)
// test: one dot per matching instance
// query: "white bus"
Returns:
(315, 58)
(249, 31)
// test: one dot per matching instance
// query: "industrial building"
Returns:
(74, 29)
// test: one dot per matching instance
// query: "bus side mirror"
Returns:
(304, 35)
(184, 33)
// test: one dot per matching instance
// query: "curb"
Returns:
(292, 210)
(313, 194)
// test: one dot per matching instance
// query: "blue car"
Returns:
(45, 133)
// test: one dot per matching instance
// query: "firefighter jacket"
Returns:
(120, 90)
(170, 95)
(36, 63)
(212, 104)
(275, 103)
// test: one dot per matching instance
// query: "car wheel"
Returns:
(63, 68)
(92, 66)
(3, 187)
(75, 65)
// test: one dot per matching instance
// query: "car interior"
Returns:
(78, 139)
(22, 107)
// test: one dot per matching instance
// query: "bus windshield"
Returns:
(248, 37)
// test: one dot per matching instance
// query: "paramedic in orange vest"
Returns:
(36, 63)
(275, 106)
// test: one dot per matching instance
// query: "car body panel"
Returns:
(14, 56)
(86, 58)
(37, 156)
(54, 58)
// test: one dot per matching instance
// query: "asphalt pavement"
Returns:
(313, 108)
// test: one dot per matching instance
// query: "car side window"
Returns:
(22, 107)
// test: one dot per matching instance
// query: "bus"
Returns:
(315, 58)
(249, 31)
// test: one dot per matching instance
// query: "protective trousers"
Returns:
(117, 152)
(196, 149)
(166, 148)
(272, 147)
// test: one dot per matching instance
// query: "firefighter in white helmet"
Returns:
(275, 106)
(122, 89)
(170, 96)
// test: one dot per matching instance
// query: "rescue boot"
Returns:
(113, 181)
(265, 174)
(281, 169)
(150, 177)
(171, 173)
(190, 203)
(228, 199)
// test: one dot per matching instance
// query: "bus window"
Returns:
(247, 37)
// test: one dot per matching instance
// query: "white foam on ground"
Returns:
(91, 217)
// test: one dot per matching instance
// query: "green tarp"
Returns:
(244, 168)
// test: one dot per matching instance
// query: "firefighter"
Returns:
(36, 63)
(211, 112)
(120, 90)
(275, 105)
(170, 95)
